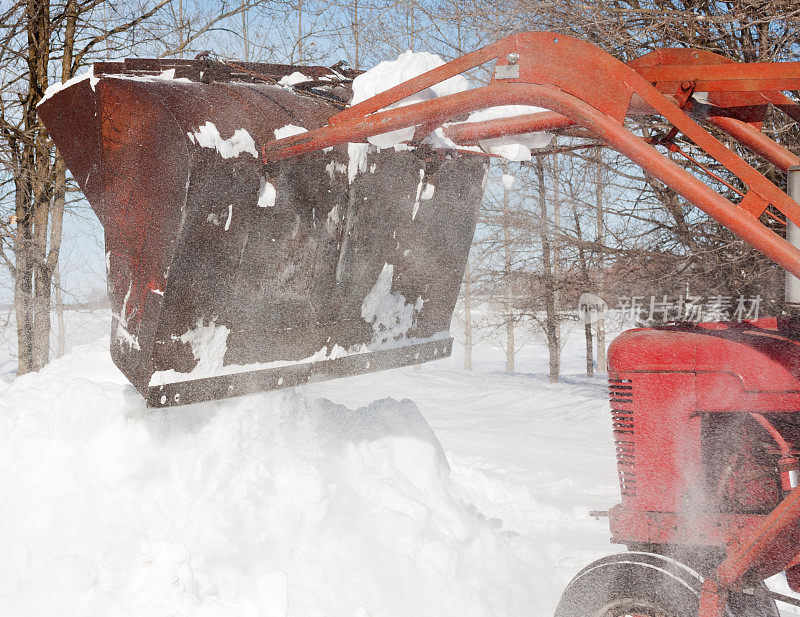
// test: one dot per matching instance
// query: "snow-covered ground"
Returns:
(432, 492)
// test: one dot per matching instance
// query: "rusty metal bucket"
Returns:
(228, 277)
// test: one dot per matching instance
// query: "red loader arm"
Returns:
(584, 86)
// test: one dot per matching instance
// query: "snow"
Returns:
(334, 167)
(424, 192)
(289, 130)
(57, 87)
(266, 194)
(292, 80)
(53, 89)
(230, 217)
(391, 73)
(207, 136)
(516, 147)
(508, 181)
(329, 499)
(389, 313)
(392, 138)
(166, 75)
(408, 65)
(412, 64)
(274, 504)
(124, 337)
(511, 147)
(356, 160)
(341, 498)
(209, 344)
(503, 111)
(437, 139)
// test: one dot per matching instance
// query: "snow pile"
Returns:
(273, 504)
(408, 65)
(391, 73)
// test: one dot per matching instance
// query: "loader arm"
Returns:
(582, 85)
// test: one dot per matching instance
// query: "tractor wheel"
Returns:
(645, 585)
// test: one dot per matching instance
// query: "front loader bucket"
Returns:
(227, 276)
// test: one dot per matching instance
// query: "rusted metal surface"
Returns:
(279, 288)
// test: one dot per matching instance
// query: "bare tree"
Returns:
(551, 317)
(600, 324)
(39, 36)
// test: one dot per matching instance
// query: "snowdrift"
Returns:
(272, 504)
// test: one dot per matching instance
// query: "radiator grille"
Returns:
(623, 421)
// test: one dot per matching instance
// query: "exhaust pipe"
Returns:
(793, 237)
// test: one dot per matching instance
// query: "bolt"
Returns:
(512, 58)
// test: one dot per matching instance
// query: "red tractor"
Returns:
(706, 425)
(706, 417)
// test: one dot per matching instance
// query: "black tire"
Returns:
(646, 585)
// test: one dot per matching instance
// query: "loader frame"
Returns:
(583, 86)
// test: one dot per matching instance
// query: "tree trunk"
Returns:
(557, 250)
(300, 32)
(39, 173)
(32, 203)
(42, 275)
(245, 34)
(62, 333)
(600, 326)
(181, 36)
(587, 330)
(468, 319)
(60, 187)
(59, 201)
(23, 282)
(551, 319)
(507, 283)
